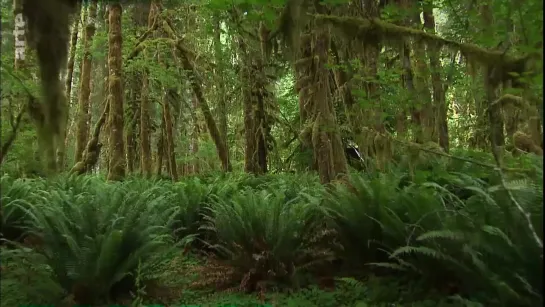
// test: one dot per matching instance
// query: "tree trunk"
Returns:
(371, 57)
(303, 86)
(116, 167)
(160, 150)
(132, 113)
(439, 99)
(194, 145)
(326, 140)
(145, 111)
(105, 152)
(254, 91)
(84, 115)
(220, 143)
(68, 81)
(169, 138)
(220, 86)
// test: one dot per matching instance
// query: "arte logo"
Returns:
(19, 34)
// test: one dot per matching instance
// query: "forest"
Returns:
(271, 153)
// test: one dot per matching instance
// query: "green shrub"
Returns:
(94, 241)
(16, 197)
(486, 249)
(267, 239)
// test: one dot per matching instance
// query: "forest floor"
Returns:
(199, 281)
(446, 236)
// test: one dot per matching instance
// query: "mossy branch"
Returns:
(364, 28)
(92, 150)
(516, 101)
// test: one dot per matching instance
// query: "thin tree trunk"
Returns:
(160, 151)
(68, 81)
(84, 115)
(169, 138)
(196, 167)
(145, 110)
(222, 108)
(220, 143)
(116, 168)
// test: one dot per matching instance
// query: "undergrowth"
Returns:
(435, 237)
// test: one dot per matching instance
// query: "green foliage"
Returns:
(458, 235)
(93, 236)
(17, 197)
(266, 238)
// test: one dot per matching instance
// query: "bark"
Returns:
(160, 151)
(326, 140)
(424, 125)
(169, 138)
(92, 150)
(133, 116)
(496, 134)
(255, 93)
(116, 167)
(105, 152)
(194, 145)
(69, 79)
(145, 110)
(84, 115)
(222, 108)
(370, 59)
(145, 134)
(303, 87)
(439, 88)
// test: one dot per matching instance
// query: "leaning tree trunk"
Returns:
(84, 114)
(116, 167)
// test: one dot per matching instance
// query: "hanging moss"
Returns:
(366, 29)
(48, 24)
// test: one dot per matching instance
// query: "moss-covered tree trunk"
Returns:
(254, 92)
(439, 100)
(160, 153)
(424, 128)
(371, 54)
(220, 86)
(169, 137)
(132, 114)
(146, 162)
(496, 134)
(116, 167)
(105, 137)
(84, 114)
(326, 139)
(68, 81)
(195, 133)
(303, 86)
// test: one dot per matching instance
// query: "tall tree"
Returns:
(84, 114)
(116, 167)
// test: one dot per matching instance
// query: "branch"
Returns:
(14, 129)
(363, 28)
